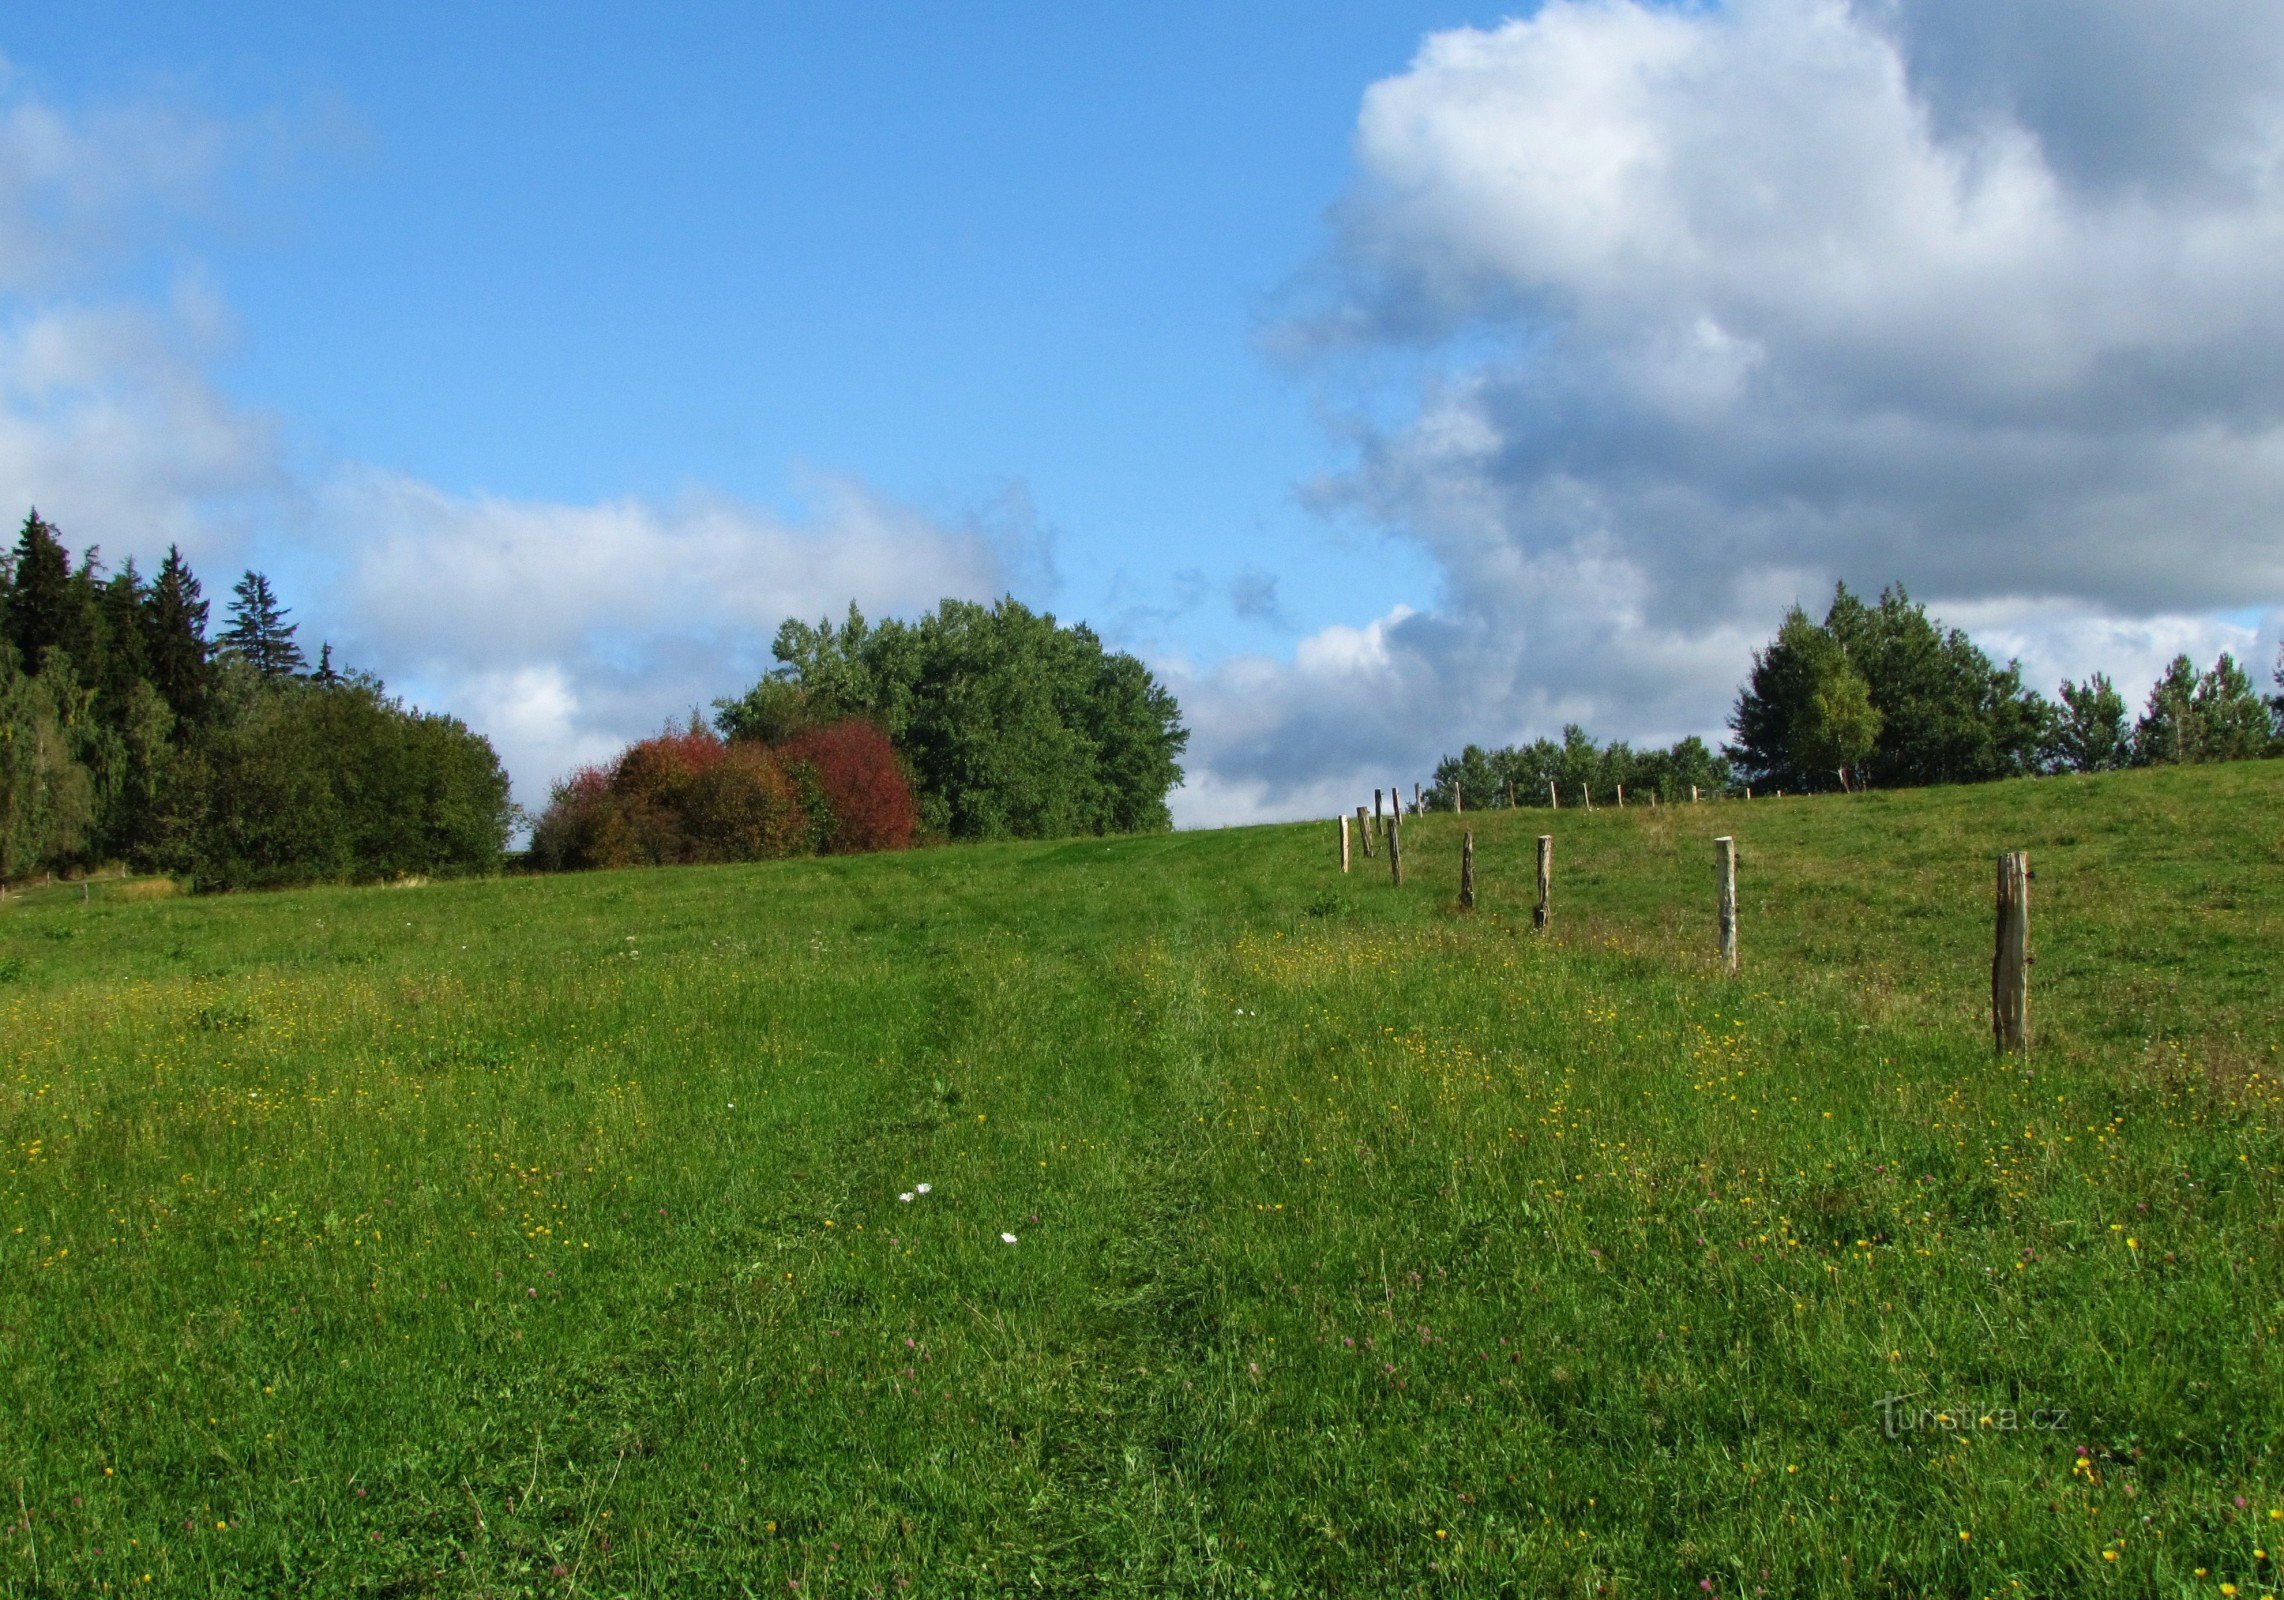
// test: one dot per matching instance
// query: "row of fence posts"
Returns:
(2010, 961)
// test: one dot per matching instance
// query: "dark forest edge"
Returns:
(128, 736)
(1880, 695)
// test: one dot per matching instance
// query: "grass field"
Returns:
(545, 1236)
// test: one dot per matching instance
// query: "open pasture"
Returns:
(1283, 1233)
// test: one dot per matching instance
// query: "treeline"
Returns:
(1481, 780)
(974, 722)
(128, 735)
(1879, 694)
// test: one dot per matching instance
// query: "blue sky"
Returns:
(950, 249)
(1389, 376)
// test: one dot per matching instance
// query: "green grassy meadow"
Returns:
(544, 1235)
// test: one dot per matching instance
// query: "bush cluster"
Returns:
(691, 796)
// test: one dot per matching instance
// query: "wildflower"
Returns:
(922, 1188)
(905, 1197)
(1007, 1238)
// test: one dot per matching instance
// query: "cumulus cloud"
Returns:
(1707, 307)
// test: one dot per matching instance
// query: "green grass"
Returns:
(542, 1236)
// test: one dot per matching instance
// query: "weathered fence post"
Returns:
(1364, 833)
(1621, 797)
(1587, 790)
(1693, 794)
(1725, 861)
(1416, 800)
(1375, 811)
(1344, 844)
(1467, 871)
(1458, 797)
(1396, 851)
(2010, 963)
(1546, 883)
(1553, 796)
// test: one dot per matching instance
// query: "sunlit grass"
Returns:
(544, 1236)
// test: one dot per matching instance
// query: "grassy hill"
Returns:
(547, 1235)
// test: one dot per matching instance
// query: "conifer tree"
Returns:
(258, 633)
(41, 600)
(174, 638)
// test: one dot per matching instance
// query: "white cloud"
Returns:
(562, 630)
(1710, 306)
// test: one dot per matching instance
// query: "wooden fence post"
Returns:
(1364, 833)
(1725, 861)
(2010, 963)
(1375, 811)
(1621, 797)
(1415, 800)
(1546, 883)
(1344, 844)
(1458, 797)
(1553, 796)
(1467, 871)
(1693, 794)
(1396, 851)
(1587, 789)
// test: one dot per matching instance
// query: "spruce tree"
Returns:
(174, 638)
(258, 633)
(42, 601)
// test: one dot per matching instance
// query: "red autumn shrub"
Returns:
(861, 782)
(680, 797)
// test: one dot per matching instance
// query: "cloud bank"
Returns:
(1705, 308)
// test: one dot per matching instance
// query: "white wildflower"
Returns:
(1007, 1238)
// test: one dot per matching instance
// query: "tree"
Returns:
(1774, 703)
(258, 633)
(1011, 725)
(2232, 719)
(2168, 731)
(1840, 725)
(47, 797)
(174, 639)
(1944, 713)
(42, 599)
(293, 782)
(2089, 733)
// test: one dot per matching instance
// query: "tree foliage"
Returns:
(1010, 725)
(1932, 707)
(1576, 767)
(124, 738)
(259, 634)
(2213, 716)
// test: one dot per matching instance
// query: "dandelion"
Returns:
(1007, 1238)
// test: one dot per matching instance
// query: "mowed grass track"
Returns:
(543, 1236)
